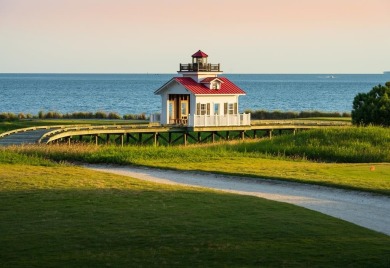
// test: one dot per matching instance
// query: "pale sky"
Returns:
(245, 36)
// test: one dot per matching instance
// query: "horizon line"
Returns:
(164, 73)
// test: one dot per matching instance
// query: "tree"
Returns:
(372, 107)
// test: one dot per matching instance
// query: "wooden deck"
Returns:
(155, 135)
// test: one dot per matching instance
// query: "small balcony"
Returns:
(199, 67)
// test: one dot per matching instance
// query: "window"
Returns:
(216, 109)
(203, 108)
(215, 85)
(230, 108)
(184, 108)
(171, 110)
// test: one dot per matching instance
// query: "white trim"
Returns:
(219, 120)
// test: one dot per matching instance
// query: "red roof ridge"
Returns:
(227, 87)
(200, 54)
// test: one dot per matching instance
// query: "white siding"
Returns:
(214, 99)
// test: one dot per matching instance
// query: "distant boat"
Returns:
(330, 76)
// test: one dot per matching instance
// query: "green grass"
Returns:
(225, 159)
(345, 145)
(61, 216)
(337, 157)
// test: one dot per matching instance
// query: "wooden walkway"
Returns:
(155, 135)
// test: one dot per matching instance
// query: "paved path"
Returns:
(365, 209)
(27, 137)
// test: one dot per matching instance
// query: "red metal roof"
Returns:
(200, 54)
(227, 87)
(209, 79)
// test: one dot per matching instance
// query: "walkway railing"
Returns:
(219, 120)
(154, 118)
(4, 134)
(199, 67)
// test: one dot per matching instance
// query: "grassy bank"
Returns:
(60, 216)
(354, 158)
(216, 158)
(344, 145)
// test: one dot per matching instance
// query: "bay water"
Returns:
(134, 93)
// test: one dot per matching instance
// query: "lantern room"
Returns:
(199, 64)
(199, 58)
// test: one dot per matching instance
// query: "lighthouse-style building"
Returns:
(199, 97)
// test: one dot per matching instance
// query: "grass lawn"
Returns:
(349, 176)
(226, 159)
(61, 216)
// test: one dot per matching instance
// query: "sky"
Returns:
(154, 36)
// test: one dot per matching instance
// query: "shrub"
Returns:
(135, 116)
(114, 116)
(8, 116)
(276, 115)
(101, 115)
(372, 108)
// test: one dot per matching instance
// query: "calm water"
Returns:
(133, 93)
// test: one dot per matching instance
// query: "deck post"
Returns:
(255, 134)
(96, 139)
(294, 131)
(155, 138)
(227, 135)
(68, 140)
(122, 139)
(108, 139)
(185, 138)
(242, 134)
(269, 133)
(199, 136)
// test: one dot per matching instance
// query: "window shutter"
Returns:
(235, 108)
(198, 108)
(225, 108)
(208, 108)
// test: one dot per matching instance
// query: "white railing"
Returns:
(219, 120)
(154, 118)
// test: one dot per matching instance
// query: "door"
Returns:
(184, 111)
(171, 112)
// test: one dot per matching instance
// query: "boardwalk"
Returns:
(28, 135)
(149, 134)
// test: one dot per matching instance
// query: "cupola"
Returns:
(199, 69)
(199, 58)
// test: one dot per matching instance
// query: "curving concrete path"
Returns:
(365, 209)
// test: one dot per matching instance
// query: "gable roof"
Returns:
(210, 79)
(200, 54)
(227, 87)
